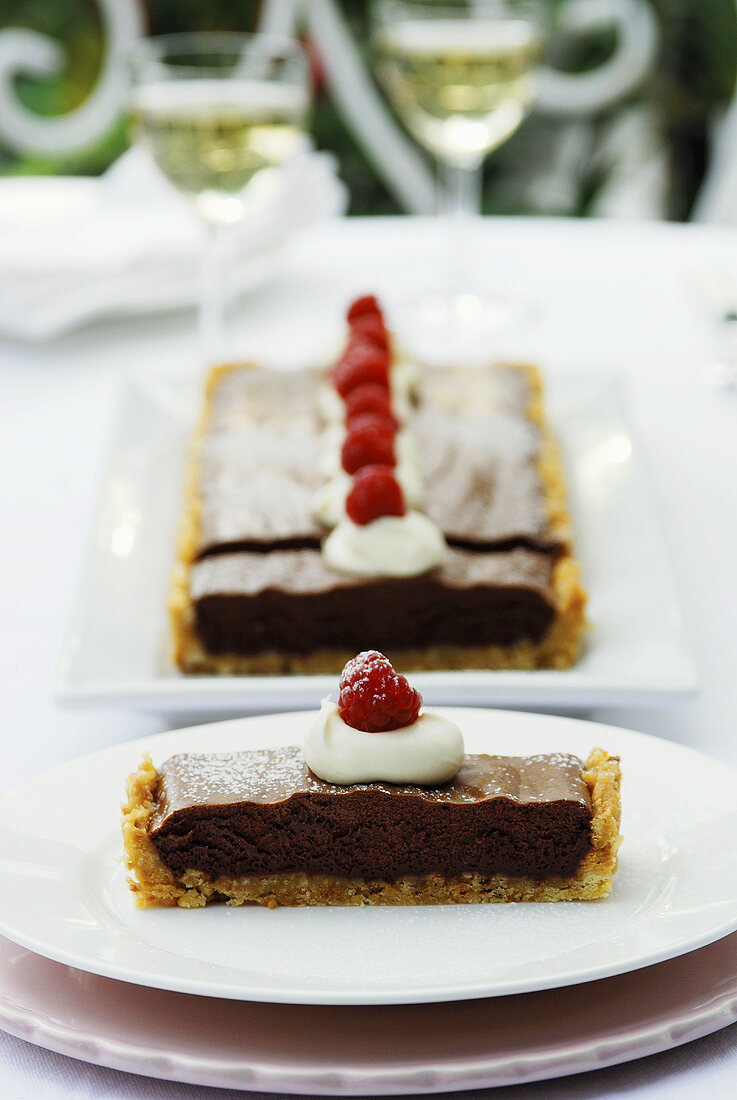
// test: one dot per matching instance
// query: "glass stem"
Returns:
(461, 204)
(213, 293)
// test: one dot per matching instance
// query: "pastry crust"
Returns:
(559, 649)
(154, 885)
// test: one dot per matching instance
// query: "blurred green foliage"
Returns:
(695, 76)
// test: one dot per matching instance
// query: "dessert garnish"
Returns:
(369, 398)
(368, 359)
(375, 492)
(389, 546)
(400, 393)
(330, 501)
(376, 732)
(361, 363)
(374, 534)
(367, 304)
(371, 328)
(373, 697)
(369, 440)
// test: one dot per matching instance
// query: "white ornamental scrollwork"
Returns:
(637, 39)
(394, 156)
(29, 53)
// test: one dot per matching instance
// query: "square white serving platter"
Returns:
(116, 648)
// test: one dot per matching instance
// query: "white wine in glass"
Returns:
(214, 110)
(462, 77)
(211, 137)
(461, 89)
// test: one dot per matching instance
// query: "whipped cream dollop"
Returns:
(392, 546)
(428, 751)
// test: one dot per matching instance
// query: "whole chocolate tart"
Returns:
(259, 827)
(252, 593)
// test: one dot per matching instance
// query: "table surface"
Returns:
(605, 295)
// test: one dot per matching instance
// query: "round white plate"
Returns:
(367, 1050)
(64, 893)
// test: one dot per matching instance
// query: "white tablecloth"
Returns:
(607, 295)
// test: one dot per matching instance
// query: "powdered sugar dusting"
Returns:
(275, 775)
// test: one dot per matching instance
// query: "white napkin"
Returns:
(73, 249)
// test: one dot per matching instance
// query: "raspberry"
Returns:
(369, 399)
(369, 441)
(373, 697)
(370, 328)
(375, 492)
(363, 306)
(361, 364)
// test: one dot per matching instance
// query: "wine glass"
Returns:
(214, 110)
(462, 77)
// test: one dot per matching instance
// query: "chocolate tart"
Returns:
(260, 828)
(251, 592)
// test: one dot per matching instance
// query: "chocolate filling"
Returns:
(290, 601)
(264, 812)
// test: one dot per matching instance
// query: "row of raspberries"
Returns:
(372, 696)
(361, 377)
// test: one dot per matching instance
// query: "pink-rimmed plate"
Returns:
(376, 1050)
